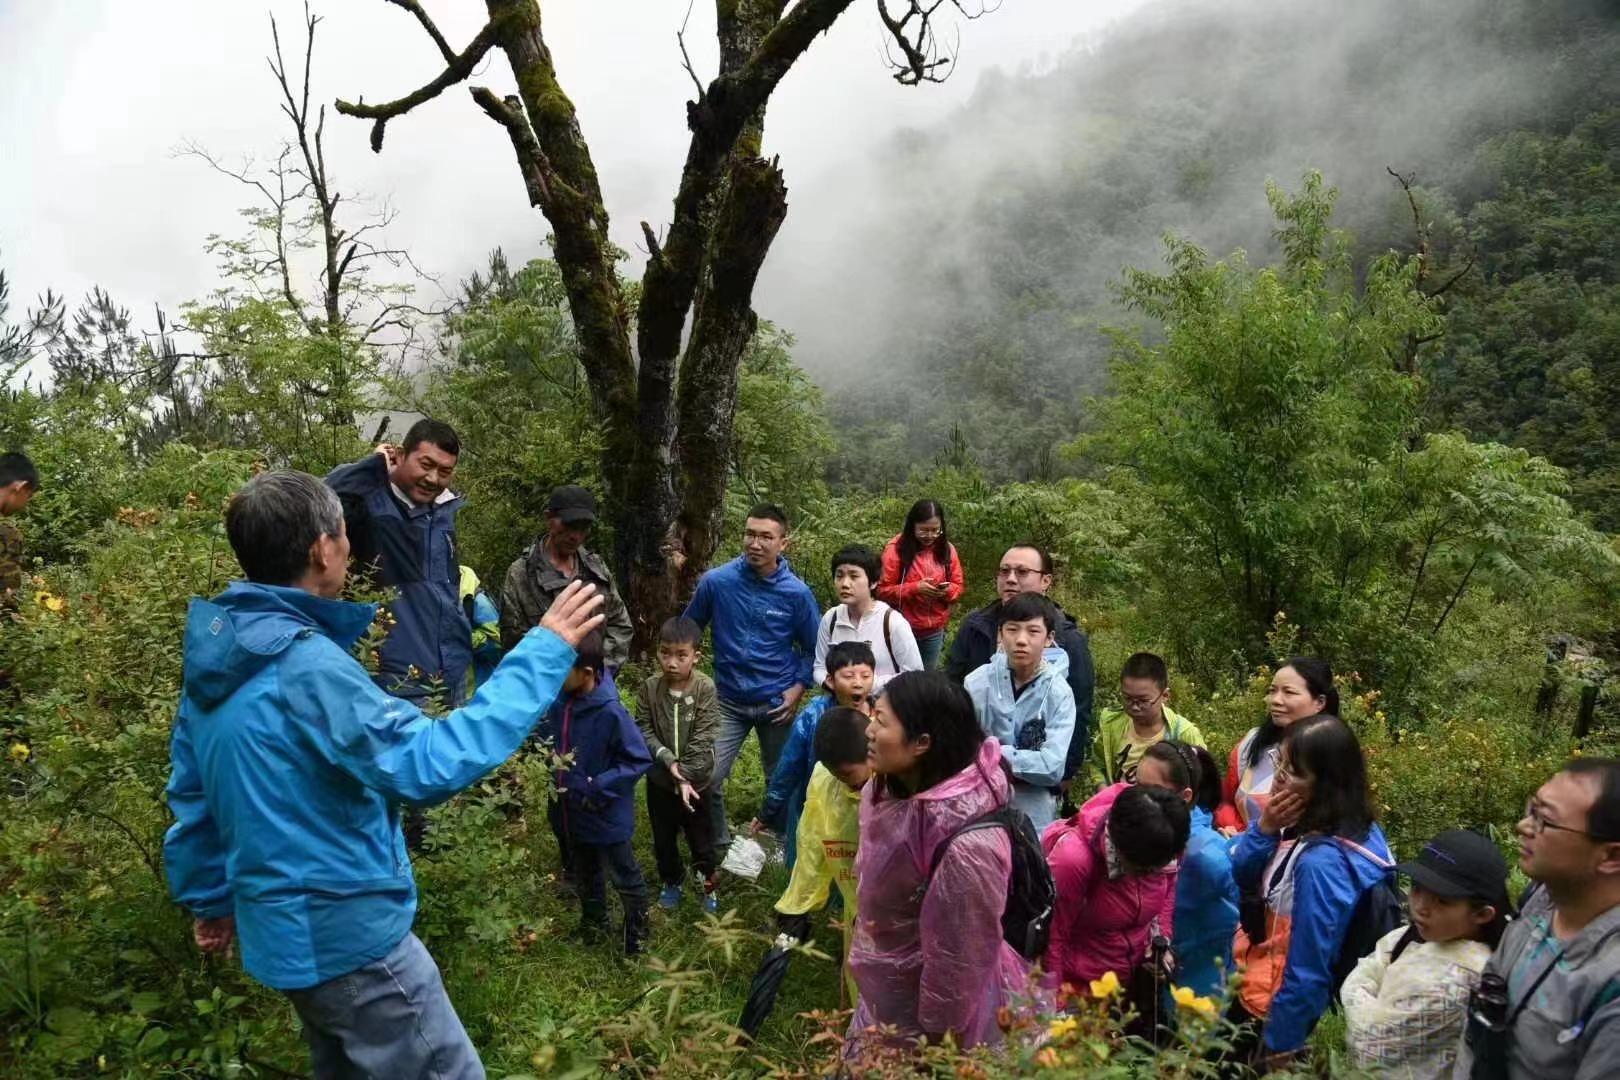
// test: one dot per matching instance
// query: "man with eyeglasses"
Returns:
(765, 621)
(1561, 957)
(1027, 568)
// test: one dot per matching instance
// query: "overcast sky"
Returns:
(96, 94)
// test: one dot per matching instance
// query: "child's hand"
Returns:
(756, 827)
(214, 935)
(689, 794)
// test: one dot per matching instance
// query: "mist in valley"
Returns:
(960, 278)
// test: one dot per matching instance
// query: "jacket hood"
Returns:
(985, 772)
(605, 693)
(1365, 870)
(1086, 823)
(1055, 668)
(230, 638)
(1200, 818)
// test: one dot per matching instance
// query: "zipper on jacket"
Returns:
(568, 716)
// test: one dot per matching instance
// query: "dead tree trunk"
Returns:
(667, 413)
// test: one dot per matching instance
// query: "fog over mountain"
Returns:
(972, 258)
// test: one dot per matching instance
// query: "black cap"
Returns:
(572, 504)
(1460, 865)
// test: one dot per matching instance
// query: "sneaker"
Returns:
(705, 886)
(669, 897)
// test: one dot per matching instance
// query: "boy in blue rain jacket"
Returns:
(288, 767)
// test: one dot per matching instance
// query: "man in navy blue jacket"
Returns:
(764, 621)
(401, 518)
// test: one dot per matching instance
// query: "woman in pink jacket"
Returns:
(928, 955)
(1114, 866)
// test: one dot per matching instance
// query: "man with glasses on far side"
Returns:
(1560, 959)
(1027, 568)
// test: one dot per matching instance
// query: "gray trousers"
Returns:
(389, 1020)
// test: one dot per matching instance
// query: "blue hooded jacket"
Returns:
(413, 550)
(1206, 909)
(1327, 882)
(1034, 727)
(287, 765)
(790, 782)
(764, 630)
(598, 788)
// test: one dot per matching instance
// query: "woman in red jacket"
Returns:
(922, 577)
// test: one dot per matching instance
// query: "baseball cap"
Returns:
(1461, 865)
(572, 504)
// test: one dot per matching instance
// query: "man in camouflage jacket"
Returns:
(558, 557)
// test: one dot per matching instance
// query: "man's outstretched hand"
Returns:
(214, 935)
(574, 613)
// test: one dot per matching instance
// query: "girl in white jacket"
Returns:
(1407, 1001)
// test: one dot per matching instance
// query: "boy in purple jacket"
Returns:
(594, 814)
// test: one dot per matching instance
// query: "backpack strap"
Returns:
(993, 819)
(888, 642)
(1347, 845)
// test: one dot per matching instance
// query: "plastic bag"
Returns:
(745, 858)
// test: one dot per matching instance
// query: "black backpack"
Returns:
(1381, 909)
(1026, 921)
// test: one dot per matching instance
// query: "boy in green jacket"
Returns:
(1123, 735)
(678, 712)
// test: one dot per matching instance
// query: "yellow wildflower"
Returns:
(1062, 1026)
(1105, 987)
(49, 602)
(1187, 998)
(20, 751)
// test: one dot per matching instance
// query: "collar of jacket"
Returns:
(411, 508)
(542, 568)
(747, 573)
(344, 621)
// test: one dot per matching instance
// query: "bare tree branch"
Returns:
(686, 59)
(458, 69)
(532, 161)
(913, 37)
(422, 17)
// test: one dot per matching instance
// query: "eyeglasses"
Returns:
(930, 534)
(1017, 572)
(1137, 704)
(1537, 816)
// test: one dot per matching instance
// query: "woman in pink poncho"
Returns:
(928, 955)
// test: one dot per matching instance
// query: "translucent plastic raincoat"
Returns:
(928, 956)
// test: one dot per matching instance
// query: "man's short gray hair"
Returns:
(273, 520)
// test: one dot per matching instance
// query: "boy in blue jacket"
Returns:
(595, 812)
(850, 672)
(288, 768)
(1023, 701)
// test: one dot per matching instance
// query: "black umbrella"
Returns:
(795, 929)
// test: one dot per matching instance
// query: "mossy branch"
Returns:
(459, 68)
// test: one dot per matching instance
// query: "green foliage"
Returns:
(1531, 356)
(1277, 438)
(510, 374)
(782, 436)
